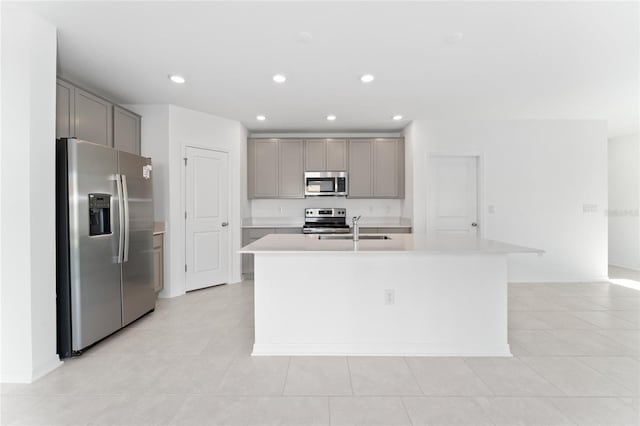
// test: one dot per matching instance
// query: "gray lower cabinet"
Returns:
(94, 118)
(158, 262)
(376, 168)
(249, 235)
(325, 155)
(126, 130)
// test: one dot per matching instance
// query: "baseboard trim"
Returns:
(577, 280)
(46, 368)
(386, 349)
(33, 375)
(625, 267)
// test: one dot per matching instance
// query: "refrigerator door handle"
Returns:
(125, 193)
(120, 218)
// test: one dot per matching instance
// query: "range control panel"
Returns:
(327, 212)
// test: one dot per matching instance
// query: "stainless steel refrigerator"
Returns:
(104, 242)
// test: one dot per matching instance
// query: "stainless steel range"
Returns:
(325, 221)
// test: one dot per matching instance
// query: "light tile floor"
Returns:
(577, 361)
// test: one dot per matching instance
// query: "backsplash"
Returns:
(295, 208)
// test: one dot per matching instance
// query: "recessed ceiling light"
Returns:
(261, 117)
(178, 79)
(279, 78)
(367, 78)
(331, 117)
(397, 117)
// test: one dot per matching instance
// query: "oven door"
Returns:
(320, 186)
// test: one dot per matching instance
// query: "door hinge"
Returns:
(185, 161)
(185, 215)
(185, 267)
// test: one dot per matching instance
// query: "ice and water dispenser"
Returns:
(99, 214)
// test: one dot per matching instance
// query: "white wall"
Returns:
(166, 131)
(27, 230)
(537, 174)
(624, 201)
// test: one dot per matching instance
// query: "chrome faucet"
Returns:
(356, 228)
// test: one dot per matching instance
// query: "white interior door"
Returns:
(207, 230)
(453, 195)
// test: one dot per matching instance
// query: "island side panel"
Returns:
(334, 304)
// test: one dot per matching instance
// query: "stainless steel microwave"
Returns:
(325, 183)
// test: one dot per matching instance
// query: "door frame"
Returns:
(480, 185)
(183, 206)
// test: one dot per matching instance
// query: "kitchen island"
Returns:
(410, 294)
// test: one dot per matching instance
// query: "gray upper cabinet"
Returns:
(83, 115)
(290, 170)
(336, 155)
(94, 118)
(315, 155)
(262, 168)
(126, 130)
(360, 168)
(275, 167)
(65, 110)
(388, 166)
(325, 155)
(376, 168)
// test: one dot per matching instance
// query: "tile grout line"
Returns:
(350, 378)
(406, 411)
(286, 376)
(607, 376)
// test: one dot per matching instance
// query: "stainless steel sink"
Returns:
(350, 237)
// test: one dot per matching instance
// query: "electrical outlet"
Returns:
(492, 208)
(389, 297)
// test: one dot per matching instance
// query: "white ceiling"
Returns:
(515, 60)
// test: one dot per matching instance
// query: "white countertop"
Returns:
(417, 243)
(158, 228)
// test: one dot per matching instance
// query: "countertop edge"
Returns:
(363, 225)
(413, 252)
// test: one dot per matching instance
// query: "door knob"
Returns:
(225, 223)
(474, 224)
